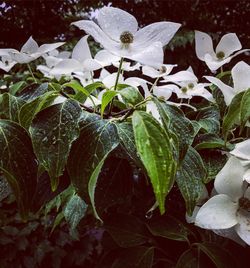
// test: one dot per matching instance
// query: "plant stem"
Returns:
(31, 73)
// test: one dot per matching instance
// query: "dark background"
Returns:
(49, 21)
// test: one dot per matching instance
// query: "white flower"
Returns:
(6, 62)
(118, 33)
(31, 51)
(187, 85)
(241, 81)
(228, 44)
(229, 210)
(80, 61)
(163, 70)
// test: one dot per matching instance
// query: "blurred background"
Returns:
(49, 20)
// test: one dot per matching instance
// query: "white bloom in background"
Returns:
(6, 62)
(117, 31)
(228, 212)
(228, 44)
(80, 61)
(186, 85)
(31, 51)
(241, 81)
(163, 70)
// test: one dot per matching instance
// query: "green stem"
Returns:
(155, 82)
(31, 73)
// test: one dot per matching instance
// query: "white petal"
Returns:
(136, 82)
(228, 44)
(242, 150)
(106, 58)
(227, 91)
(64, 55)
(21, 57)
(7, 67)
(199, 90)
(241, 76)
(246, 176)
(96, 32)
(5, 51)
(213, 63)
(81, 51)
(243, 226)
(231, 234)
(180, 77)
(89, 102)
(230, 179)
(30, 46)
(91, 65)
(152, 55)
(59, 99)
(154, 73)
(109, 81)
(156, 32)
(44, 70)
(66, 67)
(114, 21)
(163, 91)
(219, 212)
(191, 219)
(152, 109)
(48, 47)
(51, 61)
(203, 45)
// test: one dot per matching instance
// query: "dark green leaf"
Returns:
(190, 178)
(10, 107)
(156, 152)
(30, 109)
(131, 96)
(126, 230)
(174, 120)
(233, 114)
(168, 227)
(138, 257)
(97, 139)
(33, 91)
(245, 108)
(53, 130)
(18, 163)
(188, 260)
(74, 211)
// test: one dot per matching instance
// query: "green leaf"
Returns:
(137, 257)
(131, 96)
(92, 87)
(220, 257)
(127, 140)
(126, 230)
(53, 130)
(215, 161)
(106, 99)
(208, 118)
(18, 163)
(233, 114)
(174, 120)
(168, 227)
(74, 211)
(245, 108)
(155, 150)
(210, 140)
(97, 139)
(29, 110)
(17, 87)
(33, 91)
(190, 178)
(10, 107)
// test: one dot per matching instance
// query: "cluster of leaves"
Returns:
(119, 163)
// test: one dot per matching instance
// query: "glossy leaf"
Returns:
(18, 163)
(53, 130)
(168, 227)
(74, 211)
(131, 96)
(33, 91)
(106, 99)
(97, 139)
(155, 150)
(174, 120)
(190, 178)
(138, 257)
(15, 88)
(10, 107)
(29, 110)
(126, 230)
(233, 114)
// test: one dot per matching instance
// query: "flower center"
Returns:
(244, 203)
(220, 55)
(184, 90)
(163, 69)
(191, 85)
(126, 38)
